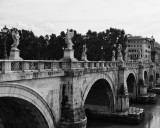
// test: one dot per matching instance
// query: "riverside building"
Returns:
(139, 46)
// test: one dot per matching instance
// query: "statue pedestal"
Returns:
(113, 59)
(143, 90)
(14, 54)
(119, 58)
(84, 58)
(68, 55)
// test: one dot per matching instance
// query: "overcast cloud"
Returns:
(137, 17)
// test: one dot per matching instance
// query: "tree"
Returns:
(27, 45)
(114, 38)
(78, 41)
(51, 47)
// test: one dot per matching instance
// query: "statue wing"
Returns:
(13, 35)
(72, 34)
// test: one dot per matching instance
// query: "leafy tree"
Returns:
(50, 47)
(27, 45)
(78, 41)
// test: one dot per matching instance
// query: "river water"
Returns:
(152, 119)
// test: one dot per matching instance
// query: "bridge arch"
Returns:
(131, 85)
(157, 76)
(146, 78)
(100, 87)
(133, 72)
(29, 104)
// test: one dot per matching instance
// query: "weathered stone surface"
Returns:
(65, 87)
(80, 124)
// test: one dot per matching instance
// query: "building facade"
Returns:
(139, 47)
(156, 52)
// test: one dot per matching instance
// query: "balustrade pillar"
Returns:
(52, 66)
(102, 65)
(41, 66)
(97, 65)
(25, 66)
(6, 66)
(85, 65)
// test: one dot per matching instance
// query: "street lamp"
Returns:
(4, 33)
(102, 52)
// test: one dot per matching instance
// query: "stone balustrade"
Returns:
(132, 64)
(28, 65)
(41, 65)
(147, 63)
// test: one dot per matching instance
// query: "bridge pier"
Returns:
(153, 81)
(122, 103)
(151, 77)
(79, 124)
(144, 96)
(141, 81)
(122, 92)
(72, 111)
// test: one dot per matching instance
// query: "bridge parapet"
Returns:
(8, 66)
(44, 65)
(88, 64)
(28, 65)
(147, 63)
(132, 64)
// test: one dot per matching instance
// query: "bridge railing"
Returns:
(132, 64)
(41, 65)
(28, 65)
(147, 63)
(89, 64)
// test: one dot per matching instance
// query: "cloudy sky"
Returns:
(136, 17)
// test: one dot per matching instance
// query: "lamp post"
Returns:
(102, 52)
(4, 33)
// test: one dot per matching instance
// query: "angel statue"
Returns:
(84, 50)
(119, 49)
(68, 39)
(113, 55)
(15, 36)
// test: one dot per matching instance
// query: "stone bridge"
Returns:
(51, 94)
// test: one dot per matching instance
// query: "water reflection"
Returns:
(152, 119)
